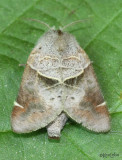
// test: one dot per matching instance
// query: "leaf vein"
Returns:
(103, 28)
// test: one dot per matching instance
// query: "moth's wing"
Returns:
(85, 103)
(31, 110)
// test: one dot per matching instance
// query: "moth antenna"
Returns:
(72, 23)
(41, 22)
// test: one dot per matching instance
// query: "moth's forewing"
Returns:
(33, 108)
(86, 104)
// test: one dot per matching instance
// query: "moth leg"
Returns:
(22, 65)
(54, 129)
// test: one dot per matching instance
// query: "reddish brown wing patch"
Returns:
(24, 121)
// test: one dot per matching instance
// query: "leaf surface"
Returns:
(100, 37)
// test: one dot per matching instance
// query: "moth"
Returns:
(59, 83)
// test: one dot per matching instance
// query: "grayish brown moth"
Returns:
(59, 83)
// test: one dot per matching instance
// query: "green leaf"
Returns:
(100, 36)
